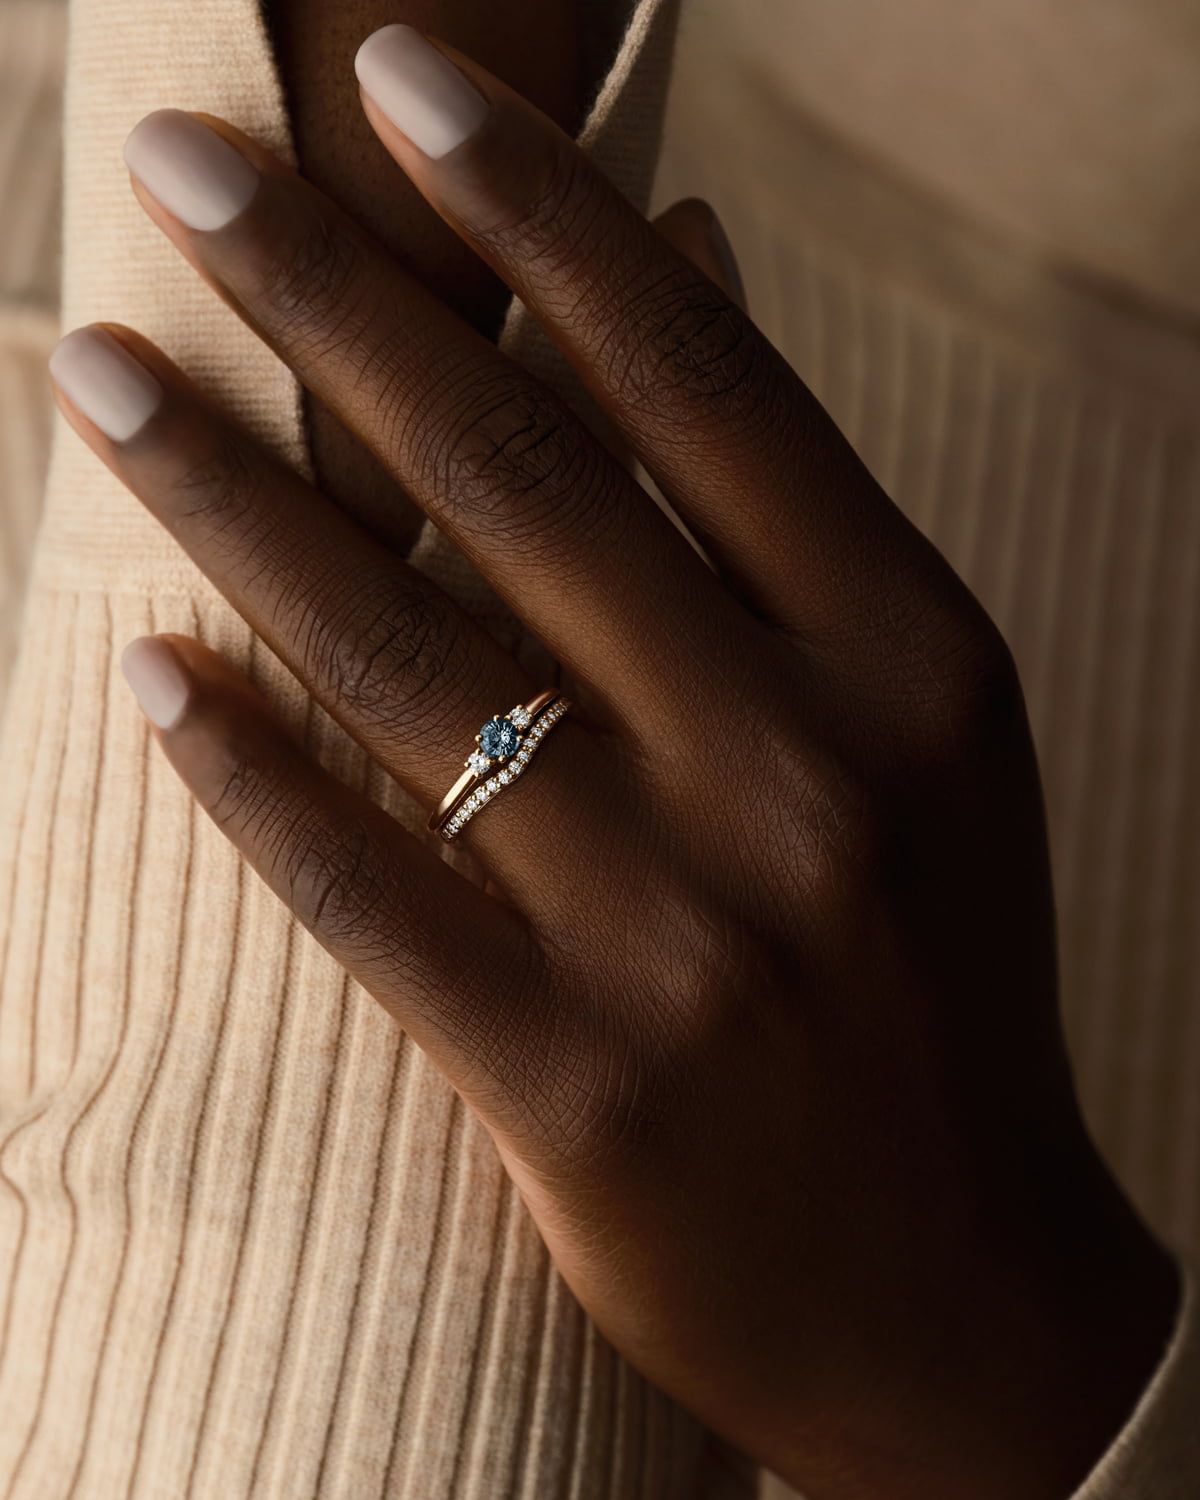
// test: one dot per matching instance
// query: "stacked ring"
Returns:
(504, 747)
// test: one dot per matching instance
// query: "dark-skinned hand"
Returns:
(759, 1004)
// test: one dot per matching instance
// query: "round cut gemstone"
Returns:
(478, 762)
(499, 738)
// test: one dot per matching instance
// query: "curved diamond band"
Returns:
(504, 747)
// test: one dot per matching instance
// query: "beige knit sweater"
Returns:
(250, 1242)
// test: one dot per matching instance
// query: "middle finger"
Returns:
(496, 458)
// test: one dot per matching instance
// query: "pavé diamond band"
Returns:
(504, 747)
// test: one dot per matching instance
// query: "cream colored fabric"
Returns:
(252, 1236)
(32, 46)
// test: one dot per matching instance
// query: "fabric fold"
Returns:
(1156, 1455)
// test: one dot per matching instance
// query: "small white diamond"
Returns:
(472, 801)
(519, 716)
(504, 777)
(478, 762)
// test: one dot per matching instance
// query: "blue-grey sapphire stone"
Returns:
(499, 738)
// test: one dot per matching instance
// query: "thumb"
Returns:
(692, 226)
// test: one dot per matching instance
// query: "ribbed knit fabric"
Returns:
(250, 1244)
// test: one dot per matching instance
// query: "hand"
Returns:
(760, 1011)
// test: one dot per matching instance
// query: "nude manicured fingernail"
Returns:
(157, 678)
(192, 171)
(105, 382)
(419, 89)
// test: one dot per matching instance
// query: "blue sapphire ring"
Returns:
(503, 748)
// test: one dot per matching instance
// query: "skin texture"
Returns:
(763, 1018)
(536, 48)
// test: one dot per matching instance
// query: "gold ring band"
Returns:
(504, 747)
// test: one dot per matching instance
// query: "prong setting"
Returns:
(523, 748)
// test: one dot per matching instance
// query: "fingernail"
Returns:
(192, 171)
(159, 682)
(105, 382)
(727, 261)
(419, 89)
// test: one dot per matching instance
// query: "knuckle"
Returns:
(240, 790)
(334, 881)
(687, 341)
(511, 455)
(309, 284)
(327, 874)
(381, 654)
(220, 492)
(247, 788)
(330, 870)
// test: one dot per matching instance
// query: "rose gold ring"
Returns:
(503, 748)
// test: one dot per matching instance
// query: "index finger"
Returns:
(735, 440)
